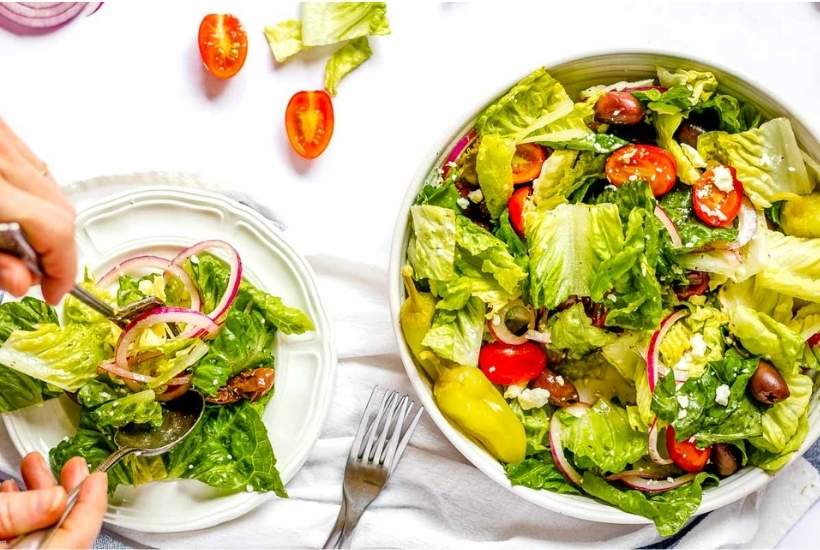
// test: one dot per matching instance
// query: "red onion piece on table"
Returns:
(34, 17)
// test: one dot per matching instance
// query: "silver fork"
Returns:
(380, 441)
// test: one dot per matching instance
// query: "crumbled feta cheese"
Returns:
(491, 369)
(190, 466)
(723, 179)
(616, 112)
(463, 203)
(722, 395)
(513, 391)
(496, 320)
(194, 259)
(249, 488)
(533, 398)
(475, 196)
(670, 479)
(698, 345)
(682, 414)
(713, 213)
(560, 380)
(626, 157)
(633, 177)
(792, 169)
(683, 400)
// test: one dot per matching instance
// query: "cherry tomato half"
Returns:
(651, 164)
(686, 455)
(526, 164)
(515, 208)
(714, 206)
(814, 340)
(510, 364)
(309, 122)
(223, 44)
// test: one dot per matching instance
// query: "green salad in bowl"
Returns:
(216, 335)
(615, 291)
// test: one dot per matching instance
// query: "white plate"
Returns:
(576, 75)
(161, 220)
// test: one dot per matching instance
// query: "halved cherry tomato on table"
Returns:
(714, 206)
(685, 454)
(223, 44)
(511, 364)
(515, 208)
(527, 161)
(309, 122)
(651, 164)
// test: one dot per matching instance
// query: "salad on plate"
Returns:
(216, 334)
(618, 294)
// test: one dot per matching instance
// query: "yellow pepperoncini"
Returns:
(416, 317)
(473, 403)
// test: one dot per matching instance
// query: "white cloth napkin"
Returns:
(436, 499)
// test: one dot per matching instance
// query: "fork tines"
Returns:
(384, 430)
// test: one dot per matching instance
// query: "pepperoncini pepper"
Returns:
(474, 404)
(463, 393)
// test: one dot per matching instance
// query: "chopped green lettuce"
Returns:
(567, 246)
(326, 23)
(666, 125)
(572, 331)
(494, 169)
(563, 173)
(672, 101)
(773, 461)
(539, 472)
(669, 510)
(768, 161)
(26, 314)
(733, 115)
(793, 268)
(624, 353)
(432, 250)
(701, 84)
(483, 249)
(284, 39)
(694, 234)
(344, 61)
(536, 424)
(457, 335)
(136, 408)
(595, 378)
(229, 450)
(97, 392)
(781, 421)
(703, 323)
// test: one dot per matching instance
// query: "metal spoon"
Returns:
(181, 417)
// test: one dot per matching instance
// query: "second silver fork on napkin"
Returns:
(380, 441)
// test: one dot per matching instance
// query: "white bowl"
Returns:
(577, 74)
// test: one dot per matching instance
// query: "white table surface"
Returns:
(123, 91)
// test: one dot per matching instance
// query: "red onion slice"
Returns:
(557, 447)
(458, 148)
(653, 362)
(654, 452)
(650, 485)
(148, 261)
(746, 225)
(193, 319)
(814, 340)
(126, 374)
(501, 332)
(41, 17)
(234, 279)
(664, 218)
(646, 474)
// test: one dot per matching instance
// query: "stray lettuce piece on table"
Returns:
(669, 510)
(457, 335)
(326, 23)
(285, 39)
(137, 408)
(767, 159)
(344, 61)
(572, 330)
(567, 246)
(230, 450)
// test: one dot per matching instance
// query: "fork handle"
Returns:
(336, 533)
(352, 515)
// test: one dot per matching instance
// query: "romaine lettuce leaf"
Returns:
(563, 173)
(64, 357)
(344, 61)
(331, 22)
(539, 472)
(643, 395)
(572, 331)
(624, 353)
(701, 84)
(536, 424)
(24, 315)
(96, 392)
(793, 268)
(567, 246)
(706, 323)
(695, 235)
(229, 450)
(482, 248)
(533, 103)
(666, 125)
(674, 100)
(284, 39)
(595, 379)
(768, 161)
(781, 421)
(137, 408)
(494, 168)
(733, 115)
(602, 438)
(771, 462)
(471, 282)
(457, 335)
(432, 250)
(669, 510)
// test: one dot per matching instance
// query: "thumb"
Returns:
(23, 512)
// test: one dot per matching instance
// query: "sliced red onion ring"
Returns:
(653, 362)
(654, 452)
(814, 340)
(651, 485)
(125, 373)
(458, 148)
(193, 319)
(746, 225)
(646, 474)
(664, 218)
(501, 332)
(148, 261)
(234, 280)
(173, 392)
(557, 447)
(40, 17)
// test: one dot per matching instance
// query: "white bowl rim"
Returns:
(741, 484)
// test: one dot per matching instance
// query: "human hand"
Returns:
(31, 197)
(44, 501)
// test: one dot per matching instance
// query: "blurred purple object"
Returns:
(31, 18)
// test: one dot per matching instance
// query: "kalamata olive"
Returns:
(562, 391)
(698, 284)
(688, 133)
(724, 459)
(250, 385)
(619, 108)
(767, 385)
